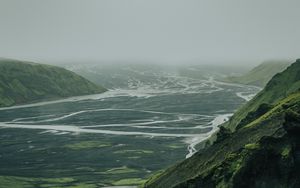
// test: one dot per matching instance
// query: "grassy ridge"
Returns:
(260, 75)
(279, 87)
(261, 150)
(24, 82)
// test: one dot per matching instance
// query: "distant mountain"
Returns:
(258, 147)
(135, 76)
(26, 82)
(261, 74)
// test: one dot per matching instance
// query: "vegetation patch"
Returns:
(252, 146)
(173, 146)
(134, 151)
(21, 182)
(129, 181)
(286, 152)
(120, 170)
(87, 145)
(81, 185)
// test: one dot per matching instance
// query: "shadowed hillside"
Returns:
(25, 82)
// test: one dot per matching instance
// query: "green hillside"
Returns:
(26, 82)
(279, 87)
(262, 151)
(261, 74)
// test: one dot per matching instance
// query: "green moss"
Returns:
(129, 181)
(252, 146)
(153, 178)
(286, 152)
(82, 185)
(58, 180)
(231, 156)
(293, 98)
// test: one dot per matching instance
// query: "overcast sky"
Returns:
(149, 30)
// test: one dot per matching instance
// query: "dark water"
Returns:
(116, 138)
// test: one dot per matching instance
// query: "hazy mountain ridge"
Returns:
(263, 151)
(261, 74)
(25, 82)
(132, 76)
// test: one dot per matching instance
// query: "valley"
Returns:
(117, 138)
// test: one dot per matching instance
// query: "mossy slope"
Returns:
(25, 82)
(263, 149)
(279, 87)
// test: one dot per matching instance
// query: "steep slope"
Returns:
(24, 82)
(262, 152)
(279, 87)
(261, 74)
